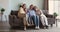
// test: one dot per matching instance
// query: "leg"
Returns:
(51, 25)
(27, 19)
(42, 20)
(46, 21)
(36, 21)
(25, 23)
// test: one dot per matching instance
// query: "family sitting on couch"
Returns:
(33, 14)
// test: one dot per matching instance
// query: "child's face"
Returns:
(35, 8)
(31, 6)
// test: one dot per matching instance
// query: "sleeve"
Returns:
(28, 12)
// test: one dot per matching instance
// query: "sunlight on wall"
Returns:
(51, 7)
(54, 7)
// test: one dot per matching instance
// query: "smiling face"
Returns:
(31, 6)
(35, 8)
(24, 6)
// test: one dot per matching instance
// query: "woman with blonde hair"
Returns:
(43, 18)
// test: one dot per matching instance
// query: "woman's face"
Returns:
(31, 6)
(24, 6)
(35, 8)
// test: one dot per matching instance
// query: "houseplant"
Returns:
(2, 10)
(55, 14)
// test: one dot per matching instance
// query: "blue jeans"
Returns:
(35, 20)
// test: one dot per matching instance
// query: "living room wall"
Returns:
(13, 5)
(4, 4)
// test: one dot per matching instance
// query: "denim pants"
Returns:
(35, 20)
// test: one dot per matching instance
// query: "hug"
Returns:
(33, 14)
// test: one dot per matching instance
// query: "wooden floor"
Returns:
(5, 27)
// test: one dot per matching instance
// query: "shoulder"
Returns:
(20, 8)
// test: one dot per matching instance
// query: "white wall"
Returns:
(5, 4)
(13, 5)
(59, 7)
(51, 6)
(56, 7)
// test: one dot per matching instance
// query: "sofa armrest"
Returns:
(50, 16)
(10, 19)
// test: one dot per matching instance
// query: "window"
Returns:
(54, 6)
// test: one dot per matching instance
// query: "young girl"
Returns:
(37, 11)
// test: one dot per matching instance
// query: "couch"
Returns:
(14, 20)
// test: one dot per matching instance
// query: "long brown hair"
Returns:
(35, 7)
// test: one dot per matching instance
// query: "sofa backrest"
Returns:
(14, 12)
(45, 12)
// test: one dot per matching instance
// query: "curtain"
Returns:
(45, 4)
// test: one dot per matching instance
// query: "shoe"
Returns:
(43, 27)
(37, 28)
(24, 29)
(47, 27)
